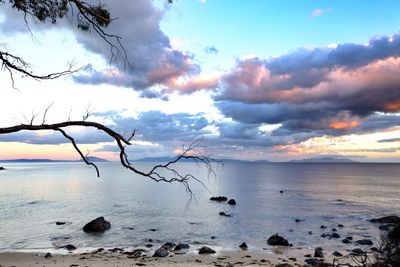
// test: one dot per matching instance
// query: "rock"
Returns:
(364, 242)
(340, 225)
(206, 250)
(149, 245)
(307, 255)
(346, 241)
(281, 191)
(276, 240)
(2, 168)
(312, 261)
(60, 223)
(229, 265)
(334, 235)
(219, 199)
(357, 252)
(337, 254)
(243, 245)
(161, 252)
(224, 214)
(386, 219)
(394, 234)
(115, 250)
(349, 237)
(318, 253)
(324, 235)
(232, 202)
(152, 230)
(213, 237)
(182, 246)
(48, 255)
(334, 230)
(98, 225)
(168, 245)
(284, 265)
(310, 232)
(384, 227)
(322, 227)
(299, 220)
(69, 247)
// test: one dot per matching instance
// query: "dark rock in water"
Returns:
(349, 237)
(232, 202)
(98, 225)
(334, 229)
(318, 253)
(334, 235)
(384, 227)
(364, 242)
(168, 245)
(322, 227)
(115, 250)
(152, 230)
(375, 249)
(291, 230)
(386, 219)
(69, 247)
(213, 237)
(276, 240)
(299, 220)
(357, 252)
(394, 234)
(149, 245)
(243, 245)
(220, 198)
(206, 250)
(224, 214)
(310, 232)
(150, 240)
(337, 254)
(48, 255)
(281, 191)
(340, 225)
(161, 252)
(60, 223)
(182, 246)
(313, 262)
(2, 168)
(284, 265)
(307, 255)
(346, 241)
(324, 235)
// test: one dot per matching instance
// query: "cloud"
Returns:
(153, 60)
(349, 88)
(318, 12)
(211, 50)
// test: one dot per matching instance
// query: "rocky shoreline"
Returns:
(278, 251)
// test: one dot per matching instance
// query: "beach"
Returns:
(120, 258)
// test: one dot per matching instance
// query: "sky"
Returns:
(258, 80)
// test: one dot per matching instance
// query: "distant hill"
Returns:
(167, 159)
(93, 159)
(323, 160)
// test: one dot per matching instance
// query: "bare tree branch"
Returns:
(159, 173)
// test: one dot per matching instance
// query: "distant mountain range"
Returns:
(168, 159)
(323, 160)
(92, 159)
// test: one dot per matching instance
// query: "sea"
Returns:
(33, 197)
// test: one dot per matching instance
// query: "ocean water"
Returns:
(34, 196)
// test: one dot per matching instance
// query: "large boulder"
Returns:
(232, 202)
(2, 168)
(98, 225)
(277, 240)
(161, 252)
(386, 219)
(206, 250)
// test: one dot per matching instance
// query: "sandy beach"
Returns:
(107, 258)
